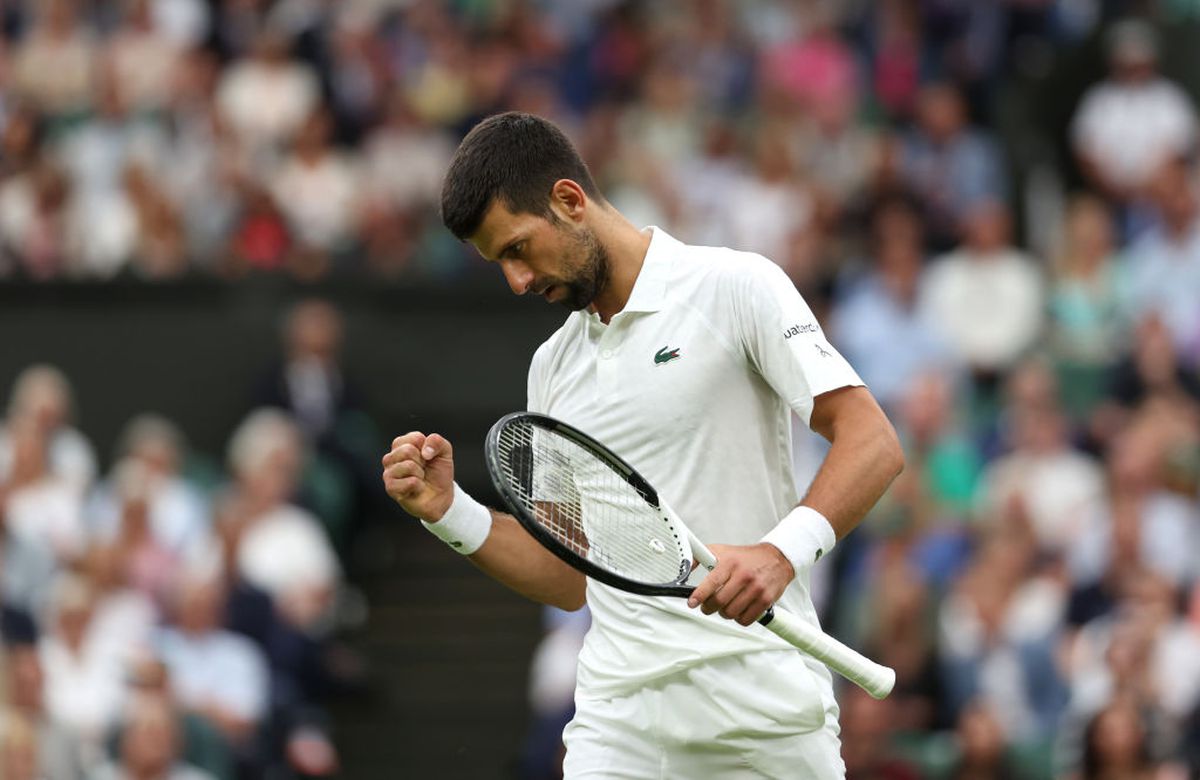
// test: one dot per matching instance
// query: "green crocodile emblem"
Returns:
(665, 355)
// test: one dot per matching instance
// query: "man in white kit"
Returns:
(686, 361)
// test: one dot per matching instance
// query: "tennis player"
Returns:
(688, 362)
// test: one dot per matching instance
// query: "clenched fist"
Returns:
(419, 474)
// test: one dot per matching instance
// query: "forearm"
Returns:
(864, 458)
(512, 557)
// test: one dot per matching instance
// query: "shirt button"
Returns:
(606, 354)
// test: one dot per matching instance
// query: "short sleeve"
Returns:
(783, 341)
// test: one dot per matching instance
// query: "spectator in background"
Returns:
(772, 211)
(260, 240)
(438, 81)
(275, 545)
(1164, 263)
(836, 151)
(1089, 316)
(141, 556)
(178, 513)
(985, 296)
(266, 97)
(814, 66)
(44, 740)
(405, 159)
(204, 746)
(997, 632)
(159, 248)
(896, 614)
(1144, 524)
(938, 449)
(42, 393)
(717, 170)
(1148, 624)
(1141, 657)
(310, 384)
(141, 57)
(955, 169)
(55, 63)
(205, 167)
(21, 134)
(1150, 371)
(104, 222)
(894, 45)
(719, 53)
(34, 221)
(656, 134)
(215, 673)
(318, 190)
(150, 746)
(981, 747)
(1118, 747)
(124, 617)
(358, 70)
(1127, 126)
(877, 322)
(84, 678)
(1056, 486)
(41, 510)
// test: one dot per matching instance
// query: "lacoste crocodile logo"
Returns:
(665, 355)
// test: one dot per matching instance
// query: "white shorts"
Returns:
(763, 715)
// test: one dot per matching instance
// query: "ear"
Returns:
(568, 200)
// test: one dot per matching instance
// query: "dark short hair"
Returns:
(514, 158)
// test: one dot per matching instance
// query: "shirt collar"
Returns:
(650, 288)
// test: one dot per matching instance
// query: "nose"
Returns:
(518, 275)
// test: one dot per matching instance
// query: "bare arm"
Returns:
(512, 557)
(418, 474)
(864, 458)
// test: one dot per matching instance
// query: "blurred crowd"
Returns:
(171, 621)
(1032, 330)
(160, 138)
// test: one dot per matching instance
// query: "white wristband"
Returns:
(466, 524)
(803, 536)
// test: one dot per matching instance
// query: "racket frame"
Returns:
(530, 523)
(876, 679)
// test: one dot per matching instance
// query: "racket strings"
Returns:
(589, 507)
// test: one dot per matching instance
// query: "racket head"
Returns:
(585, 504)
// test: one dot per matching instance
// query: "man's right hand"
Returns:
(419, 474)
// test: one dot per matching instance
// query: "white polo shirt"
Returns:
(693, 383)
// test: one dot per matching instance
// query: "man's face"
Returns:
(563, 261)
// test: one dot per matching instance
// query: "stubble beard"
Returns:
(592, 275)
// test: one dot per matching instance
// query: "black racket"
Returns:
(594, 511)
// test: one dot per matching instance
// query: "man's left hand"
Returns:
(746, 581)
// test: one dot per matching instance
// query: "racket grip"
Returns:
(876, 679)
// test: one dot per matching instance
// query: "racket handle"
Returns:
(876, 679)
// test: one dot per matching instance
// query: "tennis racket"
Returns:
(593, 510)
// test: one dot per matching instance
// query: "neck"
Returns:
(626, 247)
